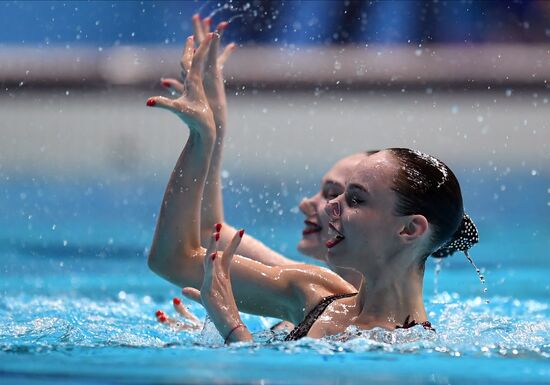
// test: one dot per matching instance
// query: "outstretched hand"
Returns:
(213, 81)
(216, 293)
(192, 105)
(190, 320)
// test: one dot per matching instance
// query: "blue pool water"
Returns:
(77, 301)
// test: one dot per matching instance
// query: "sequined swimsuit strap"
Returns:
(303, 328)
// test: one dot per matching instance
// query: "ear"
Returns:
(414, 227)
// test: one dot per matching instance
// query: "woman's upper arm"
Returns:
(255, 249)
(251, 248)
(284, 292)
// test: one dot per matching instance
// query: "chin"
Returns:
(312, 249)
(336, 257)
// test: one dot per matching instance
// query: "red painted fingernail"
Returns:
(223, 25)
(218, 227)
(166, 83)
(217, 236)
(196, 16)
(241, 233)
(159, 313)
(151, 102)
(213, 256)
(207, 21)
(176, 301)
(162, 318)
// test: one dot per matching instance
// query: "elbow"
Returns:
(153, 262)
(159, 262)
(175, 268)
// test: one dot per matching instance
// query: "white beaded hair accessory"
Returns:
(464, 238)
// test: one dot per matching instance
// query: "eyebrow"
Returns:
(332, 182)
(358, 187)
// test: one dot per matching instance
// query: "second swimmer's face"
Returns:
(315, 232)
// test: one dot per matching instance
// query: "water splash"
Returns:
(201, 8)
(228, 7)
(232, 18)
(437, 271)
(507, 328)
(479, 274)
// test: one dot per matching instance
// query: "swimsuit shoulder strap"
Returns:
(303, 328)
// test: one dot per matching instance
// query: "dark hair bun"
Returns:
(464, 238)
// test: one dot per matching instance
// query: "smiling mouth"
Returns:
(311, 228)
(337, 237)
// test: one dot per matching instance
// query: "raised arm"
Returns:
(212, 211)
(176, 253)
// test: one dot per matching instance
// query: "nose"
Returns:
(333, 209)
(307, 207)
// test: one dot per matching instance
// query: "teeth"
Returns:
(334, 233)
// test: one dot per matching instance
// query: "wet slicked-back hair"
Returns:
(424, 185)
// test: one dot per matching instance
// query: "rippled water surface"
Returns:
(83, 312)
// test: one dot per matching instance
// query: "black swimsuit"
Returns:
(303, 328)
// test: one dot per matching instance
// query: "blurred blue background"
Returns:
(284, 22)
(84, 163)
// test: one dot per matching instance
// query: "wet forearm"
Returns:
(178, 228)
(212, 202)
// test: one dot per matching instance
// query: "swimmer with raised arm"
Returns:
(399, 207)
(332, 184)
(315, 233)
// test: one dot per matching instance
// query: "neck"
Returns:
(350, 275)
(391, 295)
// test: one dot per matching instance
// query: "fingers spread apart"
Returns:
(173, 85)
(212, 258)
(173, 323)
(200, 55)
(182, 310)
(230, 250)
(228, 50)
(187, 56)
(192, 294)
(211, 254)
(198, 28)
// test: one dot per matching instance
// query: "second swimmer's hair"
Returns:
(424, 185)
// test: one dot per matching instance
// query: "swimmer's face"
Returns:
(315, 232)
(364, 229)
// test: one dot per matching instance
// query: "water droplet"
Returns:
(534, 172)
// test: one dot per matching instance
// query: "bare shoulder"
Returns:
(299, 287)
(304, 274)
